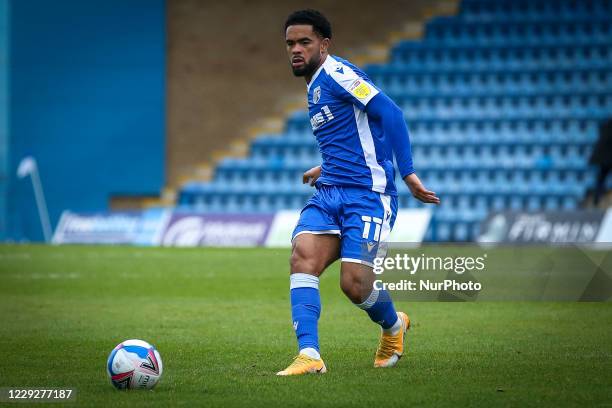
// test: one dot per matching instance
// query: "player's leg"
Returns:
(356, 281)
(368, 220)
(311, 254)
(315, 246)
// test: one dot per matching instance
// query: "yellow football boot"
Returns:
(303, 364)
(391, 347)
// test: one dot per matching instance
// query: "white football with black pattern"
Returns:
(134, 364)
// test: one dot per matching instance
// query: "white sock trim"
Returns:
(369, 302)
(397, 326)
(303, 280)
(311, 352)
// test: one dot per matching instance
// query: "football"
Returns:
(134, 364)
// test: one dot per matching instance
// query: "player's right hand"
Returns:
(311, 176)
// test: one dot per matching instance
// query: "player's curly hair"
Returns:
(319, 23)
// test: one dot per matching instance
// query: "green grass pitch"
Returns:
(221, 321)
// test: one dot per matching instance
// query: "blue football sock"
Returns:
(305, 309)
(379, 307)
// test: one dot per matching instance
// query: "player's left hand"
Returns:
(419, 191)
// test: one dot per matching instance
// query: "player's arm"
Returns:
(360, 92)
(394, 127)
(383, 108)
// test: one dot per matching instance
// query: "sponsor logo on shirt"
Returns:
(360, 89)
(321, 118)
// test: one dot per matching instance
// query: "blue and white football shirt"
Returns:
(353, 145)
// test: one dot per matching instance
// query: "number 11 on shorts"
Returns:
(367, 220)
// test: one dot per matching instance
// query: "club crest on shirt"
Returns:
(316, 95)
(360, 89)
